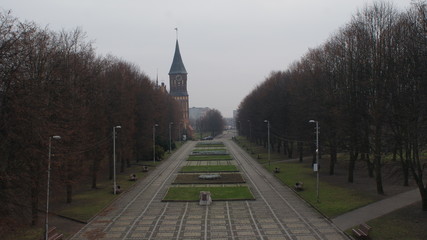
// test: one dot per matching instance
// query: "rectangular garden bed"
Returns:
(209, 168)
(209, 157)
(226, 178)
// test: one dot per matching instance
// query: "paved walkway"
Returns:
(377, 209)
(277, 213)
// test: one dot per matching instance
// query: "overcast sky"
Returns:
(228, 46)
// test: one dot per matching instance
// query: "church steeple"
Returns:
(178, 86)
(177, 64)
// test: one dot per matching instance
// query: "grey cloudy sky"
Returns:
(228, 46)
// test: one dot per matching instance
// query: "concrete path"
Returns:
(377, 209)
(277, 213)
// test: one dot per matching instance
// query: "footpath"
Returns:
(377, 209)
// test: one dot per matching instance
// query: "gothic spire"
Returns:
(177, 64)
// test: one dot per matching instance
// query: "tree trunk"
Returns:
(370, 166)
(301, 151)
(351, 165)
(424, 199)
(290, 149)
(69, 187)
(94, 178)
(272, 144)
(378, 174)
(69, 182)
(111, 166)
(377, 160)
(333, 150)
(95, 167)
(122, 162)
(285, 147)
(395, 149)
(34, 202)
(405, 167)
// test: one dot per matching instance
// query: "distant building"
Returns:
(235, 115)
(229, 123)
(198, 112)
(178, 87)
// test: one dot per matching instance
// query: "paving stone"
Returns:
(193, 228)
(218, 227)
(118, 229)
(224, 220)
(138, 235)
(142, 228)
(270, 226)
(333, 236)
(272, 232)
(245, 233)
(192, 234)
(165, 235)
(306, 238)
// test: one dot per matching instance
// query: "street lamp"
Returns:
(48, 183)
(316, 166)
(268, 140)
(114, 159)
(154, 142)
(170, 137)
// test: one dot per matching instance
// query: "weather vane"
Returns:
(176, 29)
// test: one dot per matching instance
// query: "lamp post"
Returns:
(316, 167)
(114, 159)
(268, 140)
(48, 183)
(170, 137)
(154, 142)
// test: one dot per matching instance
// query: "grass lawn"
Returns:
(334, 200)
(88, 203)
(212, 168)
(209, 157)
(406, 223)
(29, 233)
(217, 193)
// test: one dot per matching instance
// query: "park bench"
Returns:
(118, 189)
(132, 177)
(362, 231)
(53, 235)
(299, 186)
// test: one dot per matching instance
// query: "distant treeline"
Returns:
(212, 122)
(53, 83)
(367, 88)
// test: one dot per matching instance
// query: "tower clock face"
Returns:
(178, 77)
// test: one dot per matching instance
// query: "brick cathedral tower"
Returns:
(178, 87)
